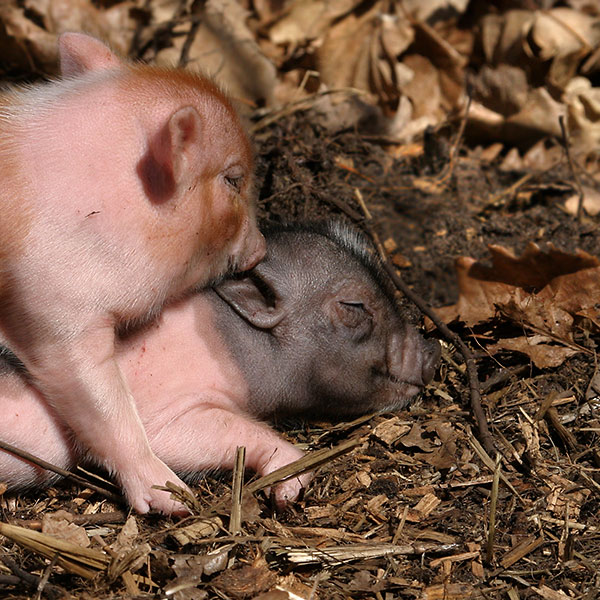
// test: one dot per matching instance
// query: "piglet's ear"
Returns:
(248, 301)
(170, 156)
(184, 131)
(80, 53)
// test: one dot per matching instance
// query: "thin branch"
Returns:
(482, 426)
(62, 472)
(235, 522)
(32, 581)
(565, 137)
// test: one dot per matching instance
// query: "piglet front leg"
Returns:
(94, 400)
(205, 436)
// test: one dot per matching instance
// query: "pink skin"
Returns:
(192, 401)
(123, 188)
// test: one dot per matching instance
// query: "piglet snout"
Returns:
(255, 255)
(250, 250)
(412, 359)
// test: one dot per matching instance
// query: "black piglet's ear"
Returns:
(249, 297)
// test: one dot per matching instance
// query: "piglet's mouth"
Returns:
(406, 383)
(400, 397)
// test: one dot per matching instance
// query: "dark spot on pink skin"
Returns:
(157, 179)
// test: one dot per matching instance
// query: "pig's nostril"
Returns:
(432, 351)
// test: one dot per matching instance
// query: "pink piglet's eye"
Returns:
(235, 182)
(234, 177)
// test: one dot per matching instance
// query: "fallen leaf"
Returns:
(562, 31)
(59, 525)
(543, 293)
(225, 49)
(583, 115)
(591, 202)
(247, 581)
(390, 430)
(415, 439)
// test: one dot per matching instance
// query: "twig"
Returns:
(184, 57)
(447, 173)
(85, 562)
(489, 549)
(337, 555)
(62, 472)
(299, 105)
(489, 463)
(94, 519)
(511, 190)
(32, 581)
(303, 465)
(461, 129)
(565, 137)
(482, 426)
(43, 582)
(235, 522)
(501, 376)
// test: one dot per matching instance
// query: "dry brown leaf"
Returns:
(424, 88)
(519, 43)
(583, 115)
(443, 457)
(25, 45)
(344, 56)
(541, 292)
(539, 115)
(247, 581)
(542, 156)
(538, 347)
(364, 581)
(424, 10)
(501, 36)
(193, 566)
(59, 525)
(225, 49)
(358, 480)
(307, 20)
(197, 530)
(591, 202)
(561, 32)
(390, 430)
(415, 439)
(32, 30)
(504, 89)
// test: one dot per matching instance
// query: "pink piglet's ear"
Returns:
(169, 162)
(80, 53)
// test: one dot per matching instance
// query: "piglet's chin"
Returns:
(400, 397)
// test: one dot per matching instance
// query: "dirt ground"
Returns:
(409, 507)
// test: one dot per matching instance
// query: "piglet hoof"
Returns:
(290, 490)
(144, 498)
(160, 501)
(287, 491)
